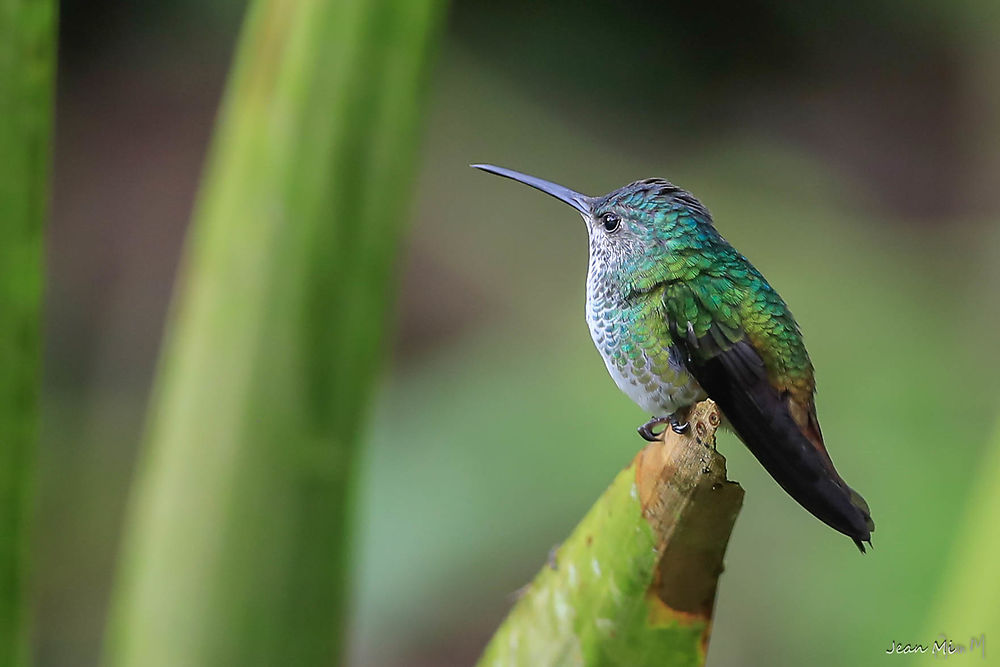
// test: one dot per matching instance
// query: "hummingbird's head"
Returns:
(634, 228)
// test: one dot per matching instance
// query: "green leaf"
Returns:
(967, 610)
(635, 583)
(27, 67)
(236, 548)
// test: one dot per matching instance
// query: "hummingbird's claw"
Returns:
(646, 430)
(679, 427)
(676, 425)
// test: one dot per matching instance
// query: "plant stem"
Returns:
(635, 582)
(27, 70)
(237, 547)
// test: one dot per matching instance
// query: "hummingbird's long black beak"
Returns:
(580, 202)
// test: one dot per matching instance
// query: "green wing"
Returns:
(735, 351)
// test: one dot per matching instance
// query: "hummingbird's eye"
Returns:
(611, 222)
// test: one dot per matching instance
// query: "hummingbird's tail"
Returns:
(797, 459)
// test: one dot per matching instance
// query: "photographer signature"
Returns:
(941, 647)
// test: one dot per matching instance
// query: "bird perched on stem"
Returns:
(679, 315)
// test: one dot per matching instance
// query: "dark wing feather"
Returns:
(733, 374)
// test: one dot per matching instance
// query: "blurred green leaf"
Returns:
(27, 67)
(237, 543)
(967, 607)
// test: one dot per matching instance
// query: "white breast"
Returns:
(656, 395)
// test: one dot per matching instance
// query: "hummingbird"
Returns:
(679, 315)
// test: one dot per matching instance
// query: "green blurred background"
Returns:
(850, 150)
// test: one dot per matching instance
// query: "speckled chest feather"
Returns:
(634, 342)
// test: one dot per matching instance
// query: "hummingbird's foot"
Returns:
(646, 430)
(679, 427)
(676, 425)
